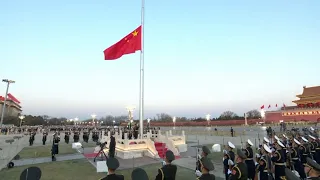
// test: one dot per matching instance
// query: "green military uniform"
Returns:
(139, 174)
(240, 171)
(290, 175)
(313, 166)
(206, 151)
(113, 164)
(207, 164)
(168, 171)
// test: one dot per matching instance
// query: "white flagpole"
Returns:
(141, 102)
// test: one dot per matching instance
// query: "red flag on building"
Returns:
(127, 45)
(13, 98)
(284, 105)
(262, 107)
(276, 105)
(1, 98)
(269, 106)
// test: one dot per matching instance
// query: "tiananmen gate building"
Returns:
(307, 108)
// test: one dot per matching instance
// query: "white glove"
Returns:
(163, 163)
(199, 156)
(296, 173)
(198, 173)
(230, 162)
(229, 171)
(222, 159)
(225, 151)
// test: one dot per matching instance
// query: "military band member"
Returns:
(249, 161)
(304, 150)
(295, 155)
(312, 169)
(279, 162)
(227, 165)
(206, 166)
(239, 171)
(264, 163)
(139, 174)
(230, 152)
(113, 165)
(85, 136)
(76, 136)
(168, 171)
(44, 137)
(55, 146)
(314, 145)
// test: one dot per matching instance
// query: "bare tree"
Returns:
(253, 114)
(228, 115)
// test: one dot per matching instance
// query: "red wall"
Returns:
(276, 116)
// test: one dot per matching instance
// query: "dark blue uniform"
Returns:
(295, 155)
(249, 162)
(280, 166)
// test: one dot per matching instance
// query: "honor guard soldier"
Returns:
(139, 174)
(76, 136)
(290, 175)
(230, 152)
(206, 166)
(279, 162)
(67, 137)
(31, 139)
(312, 169)
(264, 164)
(239, 171)
(249, 161)
(113, 164)
(168, 171)
(295, 158)
(227, 164)
(85, 136)
(55, 146)
(44, 137)
(284, 149)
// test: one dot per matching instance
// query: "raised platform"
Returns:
(150, 145)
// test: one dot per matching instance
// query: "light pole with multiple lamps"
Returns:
(21, 117)
(208, 116)
(93, 116)
(5, 99)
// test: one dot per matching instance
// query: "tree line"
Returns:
(31, 120)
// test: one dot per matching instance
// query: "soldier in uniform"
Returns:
(31, 139)
(139, 174)
(204, 153)
(112, 164)
(239, 171)
(76, 136)
(304, 150)
(279, 162)
(312, 169)
(290, 175)
(44, 137)
(249, 161)
(206, 166)
(295, 155)
(264, 164)
(55, 146)
(168, 171)
(314, 146)
(85, 136)
(227, 162)
(66, 137)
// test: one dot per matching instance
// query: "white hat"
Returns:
(258, 155)
(311, 128)
(284, 136)
(266, 148)
(296, 141)
(304, 139)
(266, 140)
(312, 137)
(249, 142)
(276, 137)
(280, 143)
(231, 145)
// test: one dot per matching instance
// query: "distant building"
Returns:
(12, 108)
(307, 108)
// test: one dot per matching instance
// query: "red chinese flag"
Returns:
(269, 106)
(262, 107)
(127, 45)
(276, 105)
(1, 98)
(284, 105)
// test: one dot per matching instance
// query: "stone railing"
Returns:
(171, 141)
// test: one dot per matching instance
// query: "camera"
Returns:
(102, 145)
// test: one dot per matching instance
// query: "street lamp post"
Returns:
(93, 116)
(174, 122)
(21, 117)
(76, 120)
(5, 99)
(208, 119)
(113, 122)
(148, 123)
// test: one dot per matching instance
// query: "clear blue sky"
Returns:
(200, 56)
